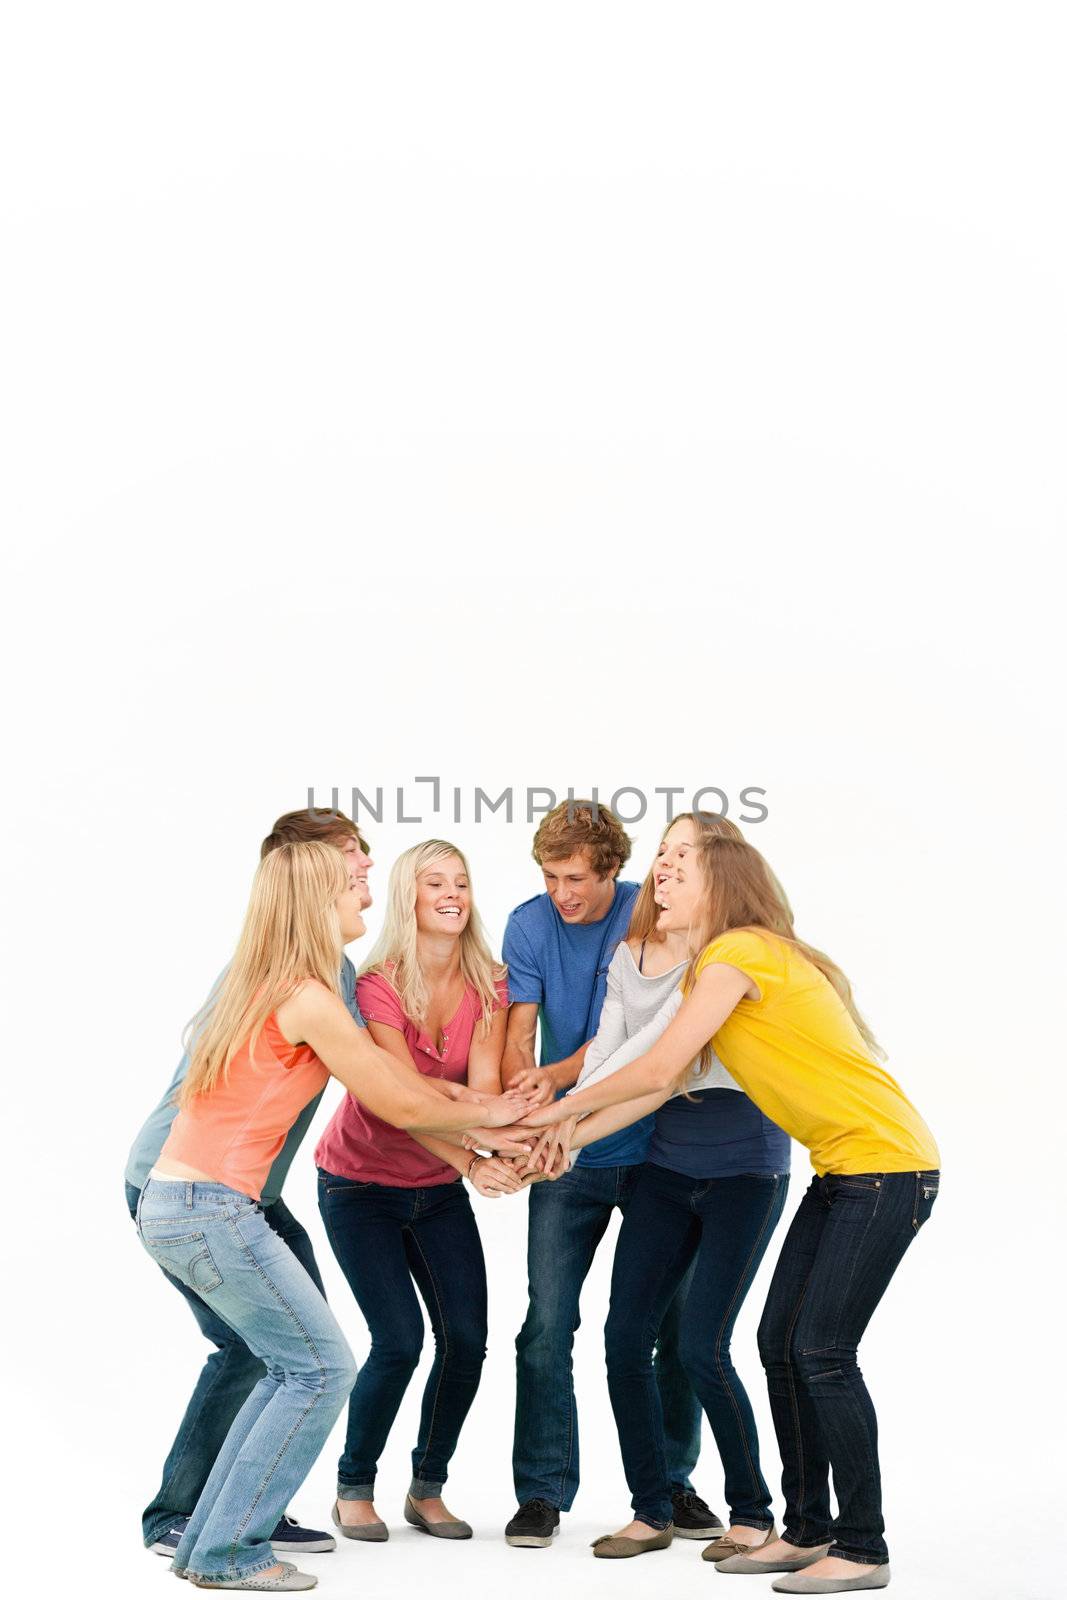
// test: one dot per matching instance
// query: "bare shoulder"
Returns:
(310, 1002)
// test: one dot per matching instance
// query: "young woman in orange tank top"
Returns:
(276, 1029)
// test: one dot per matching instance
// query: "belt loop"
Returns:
(188, 1194)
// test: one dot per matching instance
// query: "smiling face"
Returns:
(443, 897)
(359, 865)
(576, 891)
(679, 879)
(350, 910)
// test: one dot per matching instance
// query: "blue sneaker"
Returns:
(291, 1538)
(288, 1537)
(168, 1542)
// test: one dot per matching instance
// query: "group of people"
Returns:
(687, 1035)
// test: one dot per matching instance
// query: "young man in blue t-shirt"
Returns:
(558, 947)
(231, 1372)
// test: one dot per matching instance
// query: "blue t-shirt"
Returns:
(563, 968)
(153, 1135)
(718, 1133)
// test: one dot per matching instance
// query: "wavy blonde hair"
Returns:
(396, 952)
(740, 891)
(291, 932)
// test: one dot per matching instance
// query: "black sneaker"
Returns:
(295, 1540)
(168, 1542)
(693, 1519)
(534, 1523)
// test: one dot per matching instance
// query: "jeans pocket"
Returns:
(185, 1256)
(926, 1191)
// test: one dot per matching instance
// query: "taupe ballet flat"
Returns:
(437, 1530)
(744, 1564)
(369, 1532)
(876, 1579)
(612, 1547)
(721, 1549)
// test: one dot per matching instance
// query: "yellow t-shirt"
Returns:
(797, 1053)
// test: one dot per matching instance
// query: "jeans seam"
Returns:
(446, 1353)
(718, 1341)
(798, 1437)
(312, 1402)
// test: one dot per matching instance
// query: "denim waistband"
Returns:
(172, 1187)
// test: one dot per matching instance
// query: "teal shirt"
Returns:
(153, 1135)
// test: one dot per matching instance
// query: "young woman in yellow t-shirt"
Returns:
(781, 1018)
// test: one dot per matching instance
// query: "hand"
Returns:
(537, 1083)
(552, 1153)
(545, 1115)
(500, 1110)
(514, 1141)
(492, 1177)
(459, 1091)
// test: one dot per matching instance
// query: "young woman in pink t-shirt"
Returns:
(396, 1211)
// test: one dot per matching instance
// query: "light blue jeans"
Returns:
(219, 1243)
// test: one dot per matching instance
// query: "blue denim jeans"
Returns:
(846, 1241)
(229, 1375)
(219, 1244)
(719, 1229)
(568, 1219)
(388, 1243)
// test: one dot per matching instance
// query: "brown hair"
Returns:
(312, 825)
(741, 891)
(576, 825)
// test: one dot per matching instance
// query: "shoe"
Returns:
(725, 1547)
(288, 1536)
(863, 1580)
(693, 1517)
(737, 1564)
(455, 1529)
(612, 1547)
(168, 1542)
(369, 1532)
(288, 1581)
(535, 1524)
(294, 1540)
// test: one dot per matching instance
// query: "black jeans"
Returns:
(843, 1246)
(229, 1375)
(720, 1227)
(383, 1238)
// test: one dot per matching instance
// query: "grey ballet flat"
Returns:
(288, 1581)
(876, 1579)
(369, 1532)
(436, 1530)
(745, 1564)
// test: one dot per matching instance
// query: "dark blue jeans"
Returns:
(228, 1377)
(383, 1238)
(844, 1244)
(718, 1229)
(568, 1219)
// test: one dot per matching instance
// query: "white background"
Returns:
(582, 393)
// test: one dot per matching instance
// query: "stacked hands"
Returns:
(530, 1143)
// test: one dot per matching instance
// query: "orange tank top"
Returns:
(235, 1131)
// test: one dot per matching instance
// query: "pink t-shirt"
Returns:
(356, 1144)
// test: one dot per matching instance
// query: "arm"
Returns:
(702, 1013)
(611, 1029)
(518, 1054)
(386, 1087)
(486, 1052)
(596, 1069)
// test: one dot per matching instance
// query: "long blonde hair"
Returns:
(291, 932)
(740, 891)
(396, 952)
